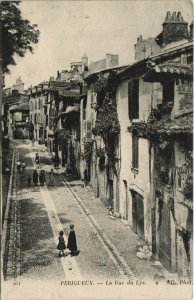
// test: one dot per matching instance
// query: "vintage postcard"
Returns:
(97, 150)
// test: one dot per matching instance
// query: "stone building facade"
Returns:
(150, 199)
(37, 102)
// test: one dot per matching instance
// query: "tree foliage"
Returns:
(18, 34)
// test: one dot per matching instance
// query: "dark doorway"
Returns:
(126, 199)
(153, 231)
(111, 193)
(138, 213)
(164, 231)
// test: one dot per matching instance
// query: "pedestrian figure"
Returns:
(37, 160)
(42, 178)
(35, 177)
(29, 180)
(18, 165)
(61, 245)
(23, 164)
(51, 179)
(72, 244)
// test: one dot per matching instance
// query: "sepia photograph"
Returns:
(96, 149)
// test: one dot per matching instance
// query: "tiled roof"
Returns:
(175, 68)
(170, 68)
(158, 56)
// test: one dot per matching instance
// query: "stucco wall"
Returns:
(183, 100)
(138, 181)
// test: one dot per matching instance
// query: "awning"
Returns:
(169, 69)
(70, 109)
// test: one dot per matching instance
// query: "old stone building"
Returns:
(63, 115)
(172, 156)
(154, 101)
(11, 96)
(18, 120)
(37, 101)
(96, 168)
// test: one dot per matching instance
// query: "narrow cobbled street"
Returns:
(37, 214)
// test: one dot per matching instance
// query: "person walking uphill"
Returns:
(37, 160)
(72, 243)
(61, 245)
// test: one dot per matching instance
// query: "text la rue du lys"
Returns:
(129, 282)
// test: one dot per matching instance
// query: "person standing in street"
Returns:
(29, 180)
(37, 160)
(35, 177)
(18, 165)
(61, 245)
(72, 243)
(51, 179)
(42, 178)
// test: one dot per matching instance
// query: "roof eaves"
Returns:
(94, 74)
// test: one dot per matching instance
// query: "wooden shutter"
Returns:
(136, 99)
(84, 129)
(133, 99)
(130, 98)
(88, 131)
(135, 152)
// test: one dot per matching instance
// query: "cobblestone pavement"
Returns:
(108, 247)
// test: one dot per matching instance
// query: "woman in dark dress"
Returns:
(61, 245)
(42, 177)
(35, 177)
(72, 244)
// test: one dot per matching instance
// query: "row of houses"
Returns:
(127, 131)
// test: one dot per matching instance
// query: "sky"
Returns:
(68, 29)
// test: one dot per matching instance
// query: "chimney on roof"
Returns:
(168, 16)
(112, 60)
(139, 38)
(174, 28)
(174, 16)
(145, 48)
(179, 16)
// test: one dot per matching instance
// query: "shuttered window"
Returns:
(133, 99)
(89, 131)
(93, 99)
(135, 152)
(84, 129)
